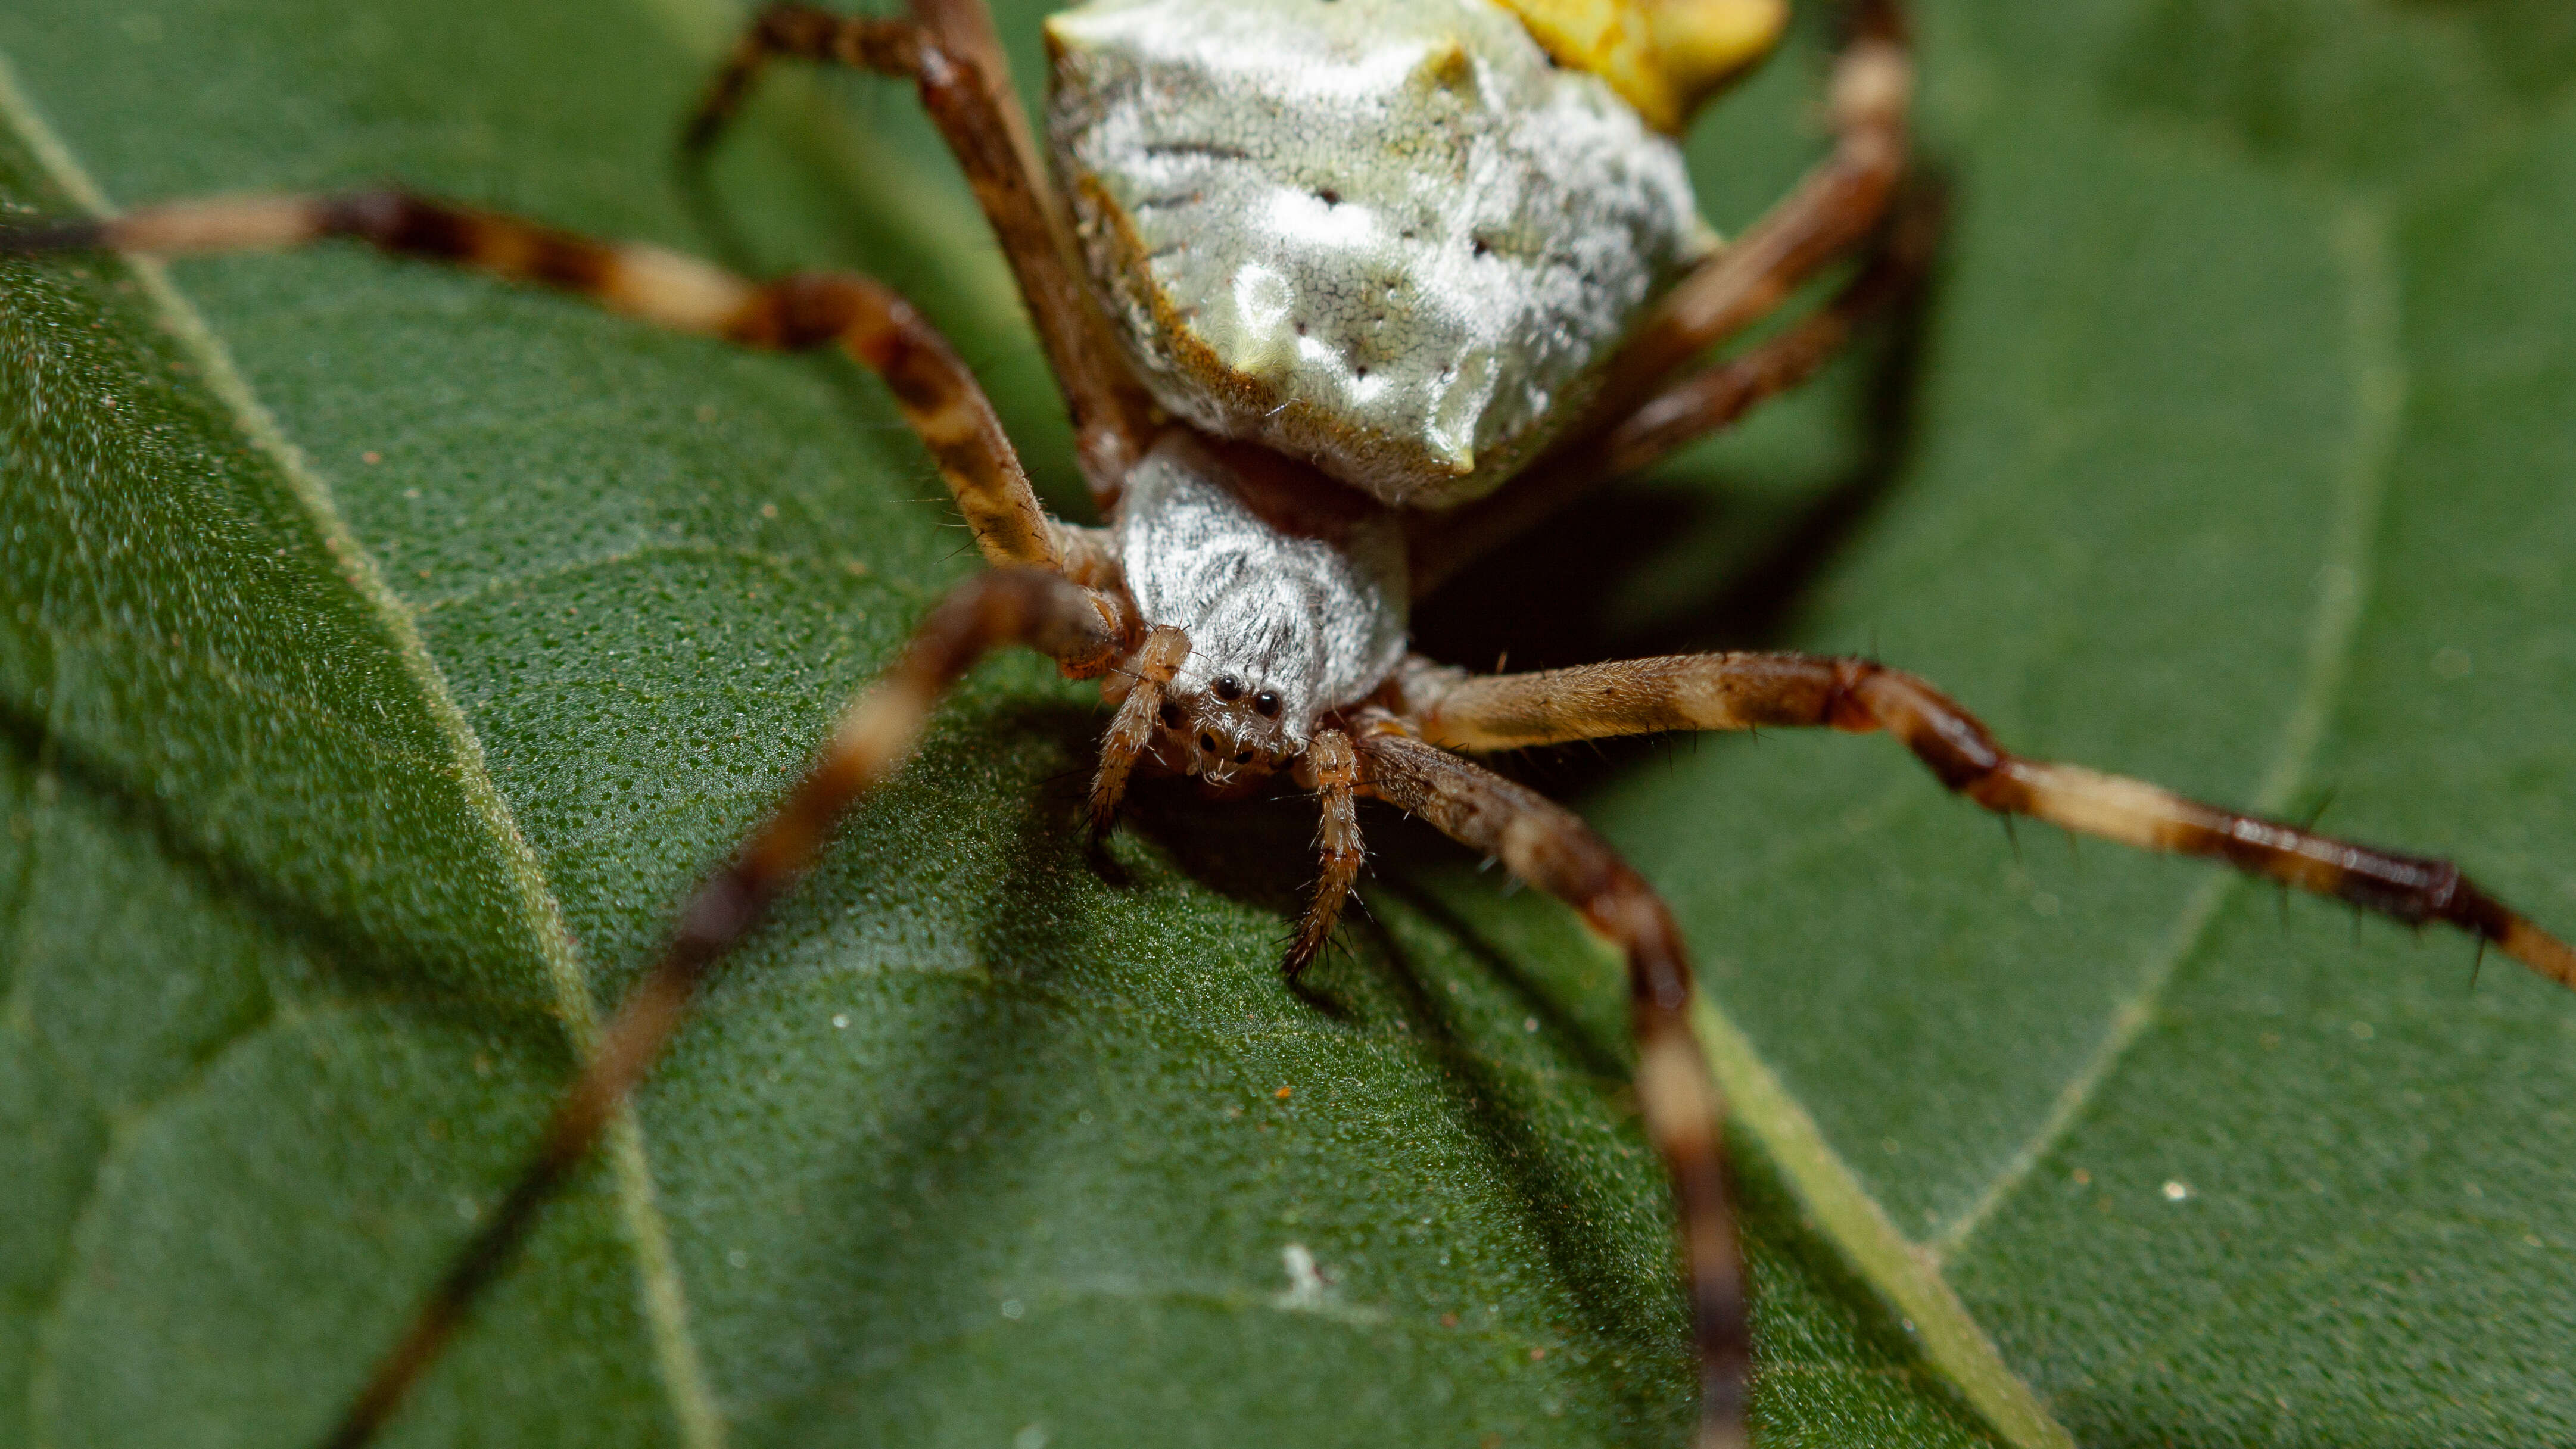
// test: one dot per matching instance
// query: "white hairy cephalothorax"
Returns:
(1390, 237)
(1292, 609)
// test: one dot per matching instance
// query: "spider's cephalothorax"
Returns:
(1292, 596)
(1438, 250)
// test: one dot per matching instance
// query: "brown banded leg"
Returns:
(1834, 208)
(1544, 844)
(1701, 402)
(1764, 690)
(936, 393)
(1331, 768)
(1688, 408)
(947, 48)
(1008, 606)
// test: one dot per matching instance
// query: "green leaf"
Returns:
(383, 651)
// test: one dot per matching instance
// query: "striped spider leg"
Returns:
(949, 50)
(1754, 690)
(1550, 847)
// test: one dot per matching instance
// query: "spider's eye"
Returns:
(1243, 758)
(1170, 715)
(1267, 703)
(1207, 742)
(1229, 688)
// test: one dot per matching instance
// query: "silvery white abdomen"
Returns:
(1386, 236)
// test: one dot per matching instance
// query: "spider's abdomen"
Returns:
(1388, 236)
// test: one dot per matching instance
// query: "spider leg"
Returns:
(936, 392)
(1546, 845)
(1007, 606)
(1707, 399)
(1834, 207)
(948, 49)
(1755, 690)
(1330, 768)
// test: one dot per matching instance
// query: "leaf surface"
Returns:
(382, 652)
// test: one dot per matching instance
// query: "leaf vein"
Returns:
(665, 1302)
(2359, 240)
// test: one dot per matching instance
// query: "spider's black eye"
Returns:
(1170, 715)
(1267, 703)
(1207, 742)
(1229, 688)
(1244, 758)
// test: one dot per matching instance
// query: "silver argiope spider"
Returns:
(1379, 763)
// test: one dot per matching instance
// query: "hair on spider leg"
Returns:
(1359, 902)
(1072, 778)
(1307, 983)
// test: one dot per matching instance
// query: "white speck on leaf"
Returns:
(1305, 1280)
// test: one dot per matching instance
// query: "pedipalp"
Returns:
(1331, 769)
(1131, 731)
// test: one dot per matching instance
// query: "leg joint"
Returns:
(806, 310)
(1947, 739)
(396, 221)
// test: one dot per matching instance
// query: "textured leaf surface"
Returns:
(366, 701)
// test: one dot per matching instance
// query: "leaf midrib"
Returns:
(682, 1376)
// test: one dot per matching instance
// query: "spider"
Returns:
(1370, 742)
